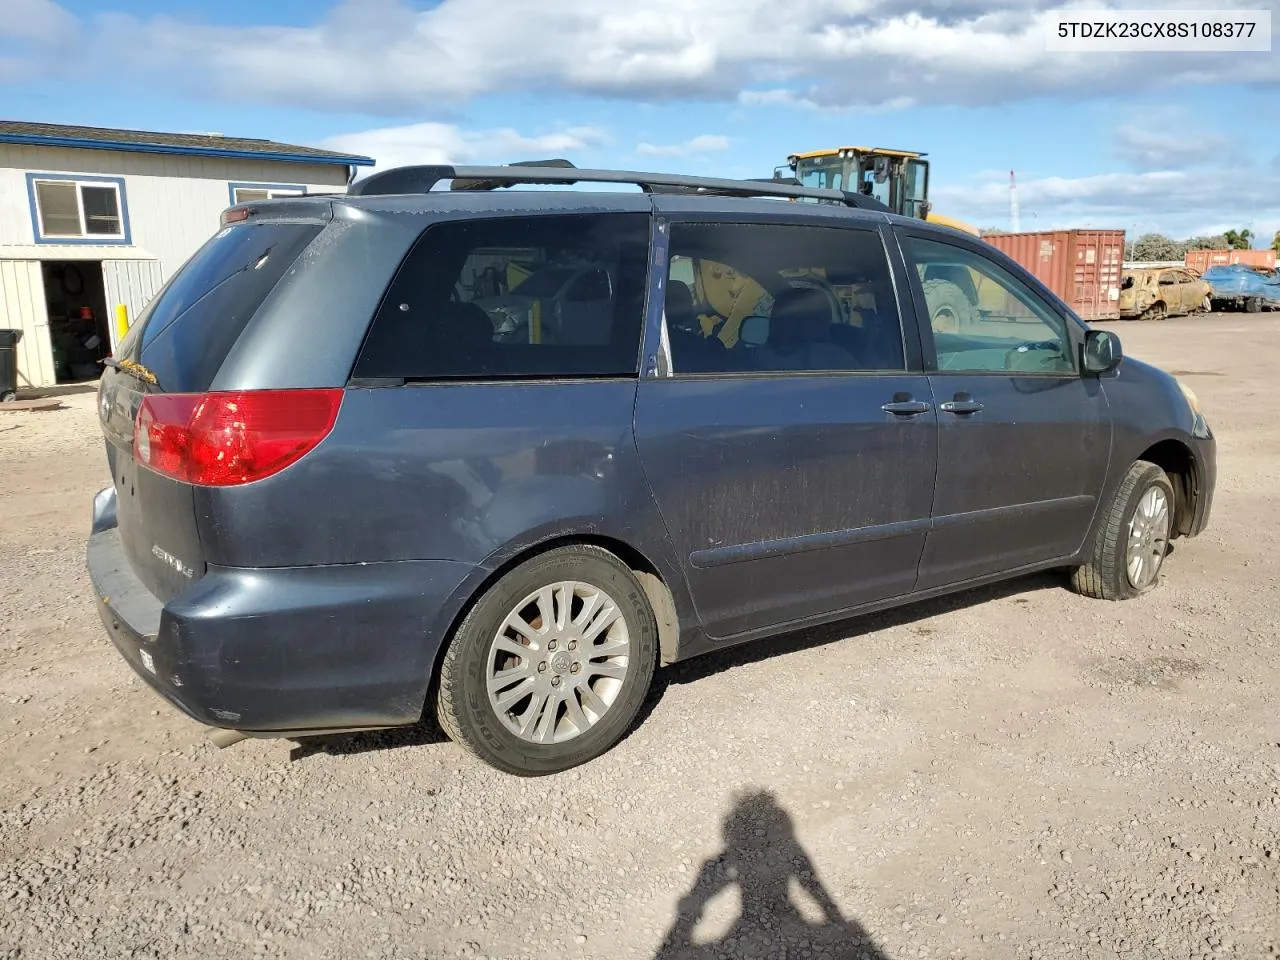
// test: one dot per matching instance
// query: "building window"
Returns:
(67, 208)
(249, 192)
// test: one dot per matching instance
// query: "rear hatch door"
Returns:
(177, 345)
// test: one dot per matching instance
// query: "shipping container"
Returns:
(1202, 260)
(1082, 267)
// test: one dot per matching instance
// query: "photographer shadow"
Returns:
(763, 858)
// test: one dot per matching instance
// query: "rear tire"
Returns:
(563, 686)
(1121, 543)
(8, 396)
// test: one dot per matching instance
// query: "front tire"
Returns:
(1132, 538)
(551, 665)
(949, 309)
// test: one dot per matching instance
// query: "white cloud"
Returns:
(776, 97)
(1170, 139)
(1179, 203)
(445, 143)
(40, 20)
(706, 143)
(383, 56)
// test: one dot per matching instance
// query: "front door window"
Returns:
(985, 320)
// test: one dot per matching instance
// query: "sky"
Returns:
(1180, 143)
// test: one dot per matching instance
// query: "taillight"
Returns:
(221, 439)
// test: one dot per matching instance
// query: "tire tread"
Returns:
(1103, 576)
(449, 713)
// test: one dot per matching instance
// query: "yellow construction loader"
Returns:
(897, 178)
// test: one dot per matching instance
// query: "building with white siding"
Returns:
(93, 221)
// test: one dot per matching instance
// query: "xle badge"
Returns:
(166, 557)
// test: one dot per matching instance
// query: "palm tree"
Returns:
(1239, 240)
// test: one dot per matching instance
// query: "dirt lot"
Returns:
(1017, 772)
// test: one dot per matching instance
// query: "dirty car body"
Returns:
(341, 495)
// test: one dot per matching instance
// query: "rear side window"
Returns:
(545, 296)
(186, 331)
(773, 298)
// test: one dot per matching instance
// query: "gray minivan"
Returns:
(343, 492)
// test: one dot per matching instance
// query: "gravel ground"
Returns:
(1014, 772)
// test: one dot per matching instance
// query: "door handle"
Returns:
(962, 404)
(906, 408)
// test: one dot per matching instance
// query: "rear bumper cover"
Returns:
(294, 649)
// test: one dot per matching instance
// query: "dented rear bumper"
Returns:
(276, 650)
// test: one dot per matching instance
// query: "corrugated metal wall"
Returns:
(132, 283)
(22, 307)
(1081, 266)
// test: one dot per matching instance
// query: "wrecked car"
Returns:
(1155, 293)
(1239, 287)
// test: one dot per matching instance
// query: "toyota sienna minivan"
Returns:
(349, 487)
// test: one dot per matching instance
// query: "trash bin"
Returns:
(9, 364)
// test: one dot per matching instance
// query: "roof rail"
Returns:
(422, 179)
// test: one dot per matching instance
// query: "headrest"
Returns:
(800, 315)
(679, 304)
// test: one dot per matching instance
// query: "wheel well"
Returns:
(655, 588)
(1175, 459)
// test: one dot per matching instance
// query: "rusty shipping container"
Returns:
(1081, 266)
(1202, 260)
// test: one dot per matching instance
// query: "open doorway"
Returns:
(76, 301)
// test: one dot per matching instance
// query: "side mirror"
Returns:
(754, 330)
(926, 207)
(1102, 352)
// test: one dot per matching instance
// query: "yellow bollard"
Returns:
(122, 321)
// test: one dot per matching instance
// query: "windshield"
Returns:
(824, 173)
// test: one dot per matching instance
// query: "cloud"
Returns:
(385, 57)
(1178, 203)
(445, 143)
(775, 97)
(1178, 143)
(706, 143)
(40, 20)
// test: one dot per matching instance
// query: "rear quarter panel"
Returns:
(476, 473)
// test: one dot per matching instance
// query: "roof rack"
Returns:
(422, 179)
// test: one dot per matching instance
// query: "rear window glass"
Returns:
(545, 296)
(189, 327)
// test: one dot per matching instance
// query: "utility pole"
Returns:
(1013, 204)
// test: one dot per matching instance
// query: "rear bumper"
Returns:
(295, 649)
